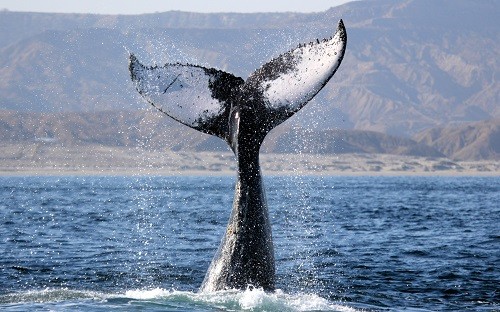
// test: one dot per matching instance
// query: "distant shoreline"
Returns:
(205, 174)
(161, 173)
(41, 160)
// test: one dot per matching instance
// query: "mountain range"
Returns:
(416, 70)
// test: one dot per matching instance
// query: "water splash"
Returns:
(252, 299)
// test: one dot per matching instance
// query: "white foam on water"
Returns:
(155, 293)
(231, 300)
(248, 300)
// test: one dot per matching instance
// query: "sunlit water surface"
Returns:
(341, 243)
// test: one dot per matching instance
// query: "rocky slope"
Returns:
(470, 141)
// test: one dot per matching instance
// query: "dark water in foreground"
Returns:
(341, 243)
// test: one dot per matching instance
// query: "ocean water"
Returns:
(341, 243)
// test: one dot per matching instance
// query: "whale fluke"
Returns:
(193, 95)
(242, 113)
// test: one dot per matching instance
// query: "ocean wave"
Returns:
(49, 295)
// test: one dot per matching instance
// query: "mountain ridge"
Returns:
(410, 65)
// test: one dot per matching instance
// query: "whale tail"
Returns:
(242, 113)
(204, 98)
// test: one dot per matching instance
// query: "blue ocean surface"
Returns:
(89, 243)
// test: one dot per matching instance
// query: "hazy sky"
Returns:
(151, 6)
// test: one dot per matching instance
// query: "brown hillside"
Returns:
(471, 141)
